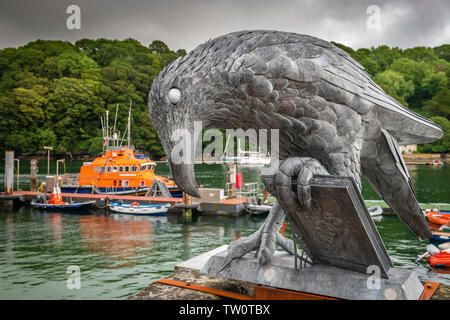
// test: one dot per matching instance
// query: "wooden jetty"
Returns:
(212, 200)
(229, 206)
(27, 196)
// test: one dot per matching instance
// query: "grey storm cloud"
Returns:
(187, 23)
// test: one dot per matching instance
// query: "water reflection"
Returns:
(116, 237)
(56, 221)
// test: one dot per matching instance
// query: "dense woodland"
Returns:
(54, 92)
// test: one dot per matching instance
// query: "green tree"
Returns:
(440, 104)
(29, 105)
(420, 54)
(67, 64)
(442, 145)
(394, 84)
(75, 106)
(363, 56)
(384, 56)
(443, 52)
(434, 83)
(411, 70)
(157, 46)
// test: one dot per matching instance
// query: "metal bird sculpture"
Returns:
(332, 119)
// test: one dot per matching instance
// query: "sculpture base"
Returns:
(317, 279)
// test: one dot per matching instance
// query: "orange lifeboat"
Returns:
(119, 170)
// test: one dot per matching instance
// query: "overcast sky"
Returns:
(187, 23)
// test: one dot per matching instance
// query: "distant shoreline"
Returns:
(424, 158)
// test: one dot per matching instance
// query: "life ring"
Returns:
(134, 204)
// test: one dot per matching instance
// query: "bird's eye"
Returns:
(174, 95)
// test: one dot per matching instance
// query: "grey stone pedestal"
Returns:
(317, 279)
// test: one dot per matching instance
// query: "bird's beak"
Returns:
(182, 168)
(184, 176)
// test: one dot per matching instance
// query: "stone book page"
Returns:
(339, 231)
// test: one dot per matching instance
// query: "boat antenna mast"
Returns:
(110, 134)
(105, 131)
(129, 127)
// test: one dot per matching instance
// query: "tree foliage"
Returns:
(442, 145)
(54, 93)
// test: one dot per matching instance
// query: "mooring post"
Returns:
(18, 173)
(187, 213)
(187, 198)
(57, 170)
(9, 172)
(33, 175)
(48, 159)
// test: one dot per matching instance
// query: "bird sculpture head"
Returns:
(176, 100)
(192, 88)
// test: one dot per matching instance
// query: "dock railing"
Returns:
(230, 190)
(248, 190)
(251, 189)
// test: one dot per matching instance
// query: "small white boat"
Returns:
(254, 159)
(375, 211)
(245, 158)
(140, 209)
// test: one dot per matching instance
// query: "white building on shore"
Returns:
(408, 149)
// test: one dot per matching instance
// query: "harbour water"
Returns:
(118, 255)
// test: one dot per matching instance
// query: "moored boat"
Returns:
(56, 203)
(437, 220)
(439, 237)
(375, 211)
(139, 209)
(435, 163)
(440, 260)
(67, 206)
(118, 170)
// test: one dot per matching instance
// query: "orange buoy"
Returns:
(56, 197)
(134, 204)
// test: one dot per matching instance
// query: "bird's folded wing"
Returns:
(339, 70)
